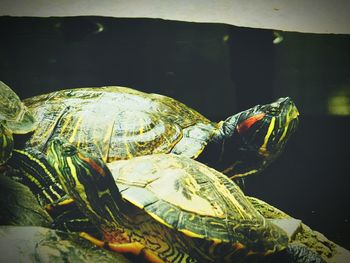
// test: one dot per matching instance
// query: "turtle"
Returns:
(116, 123)
(165, 207)
(14, 119)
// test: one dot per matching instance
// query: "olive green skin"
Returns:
(176, 207)
(119, 123)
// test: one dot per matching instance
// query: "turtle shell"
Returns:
(13, 114)
(117, 122)
(196, 200)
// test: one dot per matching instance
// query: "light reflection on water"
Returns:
(339, 102)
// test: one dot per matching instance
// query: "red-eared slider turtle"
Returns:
(117, 123)
(14, 119)
(168, 207)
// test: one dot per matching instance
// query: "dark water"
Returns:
(218, 70)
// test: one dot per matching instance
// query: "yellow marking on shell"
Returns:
(263, 148)
(135, 203)
(230, 197)
(75, 130)
(191, 234)
(66, 123)
(141, 126)
(192, 217)
(235, 203)
(168, 212)
(164, 189)
(52, 126)
(139, 132)
(159, 219)
(244, 212)
(79, 139)
(47, 133)
(191, 185)
(126, 145)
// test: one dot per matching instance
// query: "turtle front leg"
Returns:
(134, 248)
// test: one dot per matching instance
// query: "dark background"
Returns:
(218, 70)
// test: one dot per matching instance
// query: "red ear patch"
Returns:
(93, 164)
(246, 124)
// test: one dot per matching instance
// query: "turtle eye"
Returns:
(69, 149)
(274, 109)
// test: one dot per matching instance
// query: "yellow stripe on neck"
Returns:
(263, 149)
(289, 117)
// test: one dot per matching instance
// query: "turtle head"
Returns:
(259, 134)
(85, 178)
